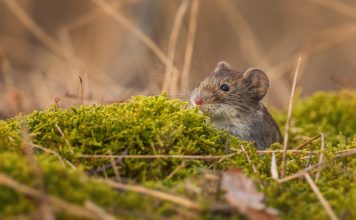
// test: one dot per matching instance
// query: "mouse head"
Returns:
(228, 88)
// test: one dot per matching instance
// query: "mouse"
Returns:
(233, 101)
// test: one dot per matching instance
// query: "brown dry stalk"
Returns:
(81, 90)
(159, 156)
(168, 84)
(74, 210)
(274, 169)
(248, 159)
(190, 45)
(317, 166)
(115, 168)
(99, 212)
(94, 14)
(157, 194)
(290, 110)
(117, 16)
(201, 157)
(34, 28)
(307, 142)
(181, 165)
(50, 152)
(34, 167)
(321, 156)
(320, 196)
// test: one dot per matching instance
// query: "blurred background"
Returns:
(102, 51)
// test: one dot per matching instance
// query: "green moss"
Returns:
(157, 125)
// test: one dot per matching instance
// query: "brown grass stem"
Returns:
(248, 159)
(115, 168)
(157, 194)
(317, 166)
(201, 157)
(46, 211)
(320, 196)
(74, 210)
(190, 45)
(168, 84)
(287, 125)
(118, 17)
(321, 156)
(307, 142)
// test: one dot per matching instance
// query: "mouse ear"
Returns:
(258, 82)
(222, 65)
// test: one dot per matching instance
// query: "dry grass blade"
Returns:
(134, 30)
(157, 194)
(190, 44)
(99, 212)
(115, 168)
(93, 15)
(74, 210)
(321, 198)
(321, 156)
(317, 166)
(51, 152)
(181, 165)
(27, 148)
(249, 159)
(198, 157)
(307, 142)
(290, 110)
(274, 170)
(168, 83)
(34, 28)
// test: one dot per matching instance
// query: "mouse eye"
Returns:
(225, 87)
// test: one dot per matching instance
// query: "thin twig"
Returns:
(94, 14)
(198, 157)
(81, 90)
(51, 152)
(46, 210)
(181, 165)
(157, 194)
(274, 170)
(290, 109)
(307, 142)
(168, 83)
(321, 156)
(190, 44)
(99, 212)
(114, 167)
(74, 210)
(249, 159)
(117, 16)
(316, 166)
(321, 198)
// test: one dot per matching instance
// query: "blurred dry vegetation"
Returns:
(94, 51)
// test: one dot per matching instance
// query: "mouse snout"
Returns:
(198, 100)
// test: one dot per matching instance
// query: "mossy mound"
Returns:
(159, 126)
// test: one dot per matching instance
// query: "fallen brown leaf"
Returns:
(242, 194)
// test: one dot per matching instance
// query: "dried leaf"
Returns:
(242, 194)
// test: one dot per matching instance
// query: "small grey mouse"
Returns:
(232, 99)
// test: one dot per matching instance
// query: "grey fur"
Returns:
(239, 110)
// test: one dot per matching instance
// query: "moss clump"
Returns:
(145, 125)
(332, 113)
(157, 125)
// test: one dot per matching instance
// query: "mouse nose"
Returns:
(198, 100)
